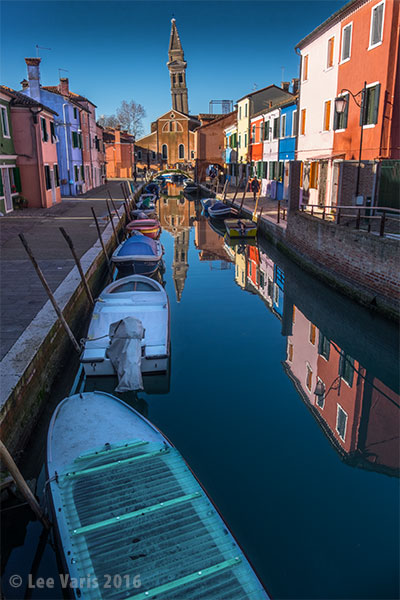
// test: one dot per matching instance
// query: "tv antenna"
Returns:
(59, 74)
(42, 48)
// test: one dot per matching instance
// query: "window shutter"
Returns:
(377, 18)
(17, 179)
(346, 112)
(336, 120)
(376, 100)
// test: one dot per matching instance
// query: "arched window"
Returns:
(181, 151)
(171, 126)
(164, 151)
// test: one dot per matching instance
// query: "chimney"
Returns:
(285, 85)
(25, 84)
(33, 77)
(63, 86)
(295, 85)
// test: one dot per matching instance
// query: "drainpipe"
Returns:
(66, 145)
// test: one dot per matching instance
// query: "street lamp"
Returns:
(320, 388)
(340, 107)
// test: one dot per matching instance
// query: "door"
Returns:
(322, 182)
(335, 183)
(53, 187)
(5, 176)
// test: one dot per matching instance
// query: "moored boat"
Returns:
(135, 296)
(149, 227)
(219, 210)
(139, 254)
(128, 510)
(241, 228)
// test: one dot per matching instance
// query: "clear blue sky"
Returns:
(117, 51)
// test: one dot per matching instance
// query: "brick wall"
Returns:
(348, 181)
(367, 263)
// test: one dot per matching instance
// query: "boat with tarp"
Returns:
(128, 510)
(139, 254)
(149, 227)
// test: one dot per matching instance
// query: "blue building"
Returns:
(67, 124)
(287, 144)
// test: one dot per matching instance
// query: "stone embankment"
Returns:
(30, 365)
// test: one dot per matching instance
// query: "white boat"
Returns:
(131, 519)
(137, 297)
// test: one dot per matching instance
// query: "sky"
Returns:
(113, 51)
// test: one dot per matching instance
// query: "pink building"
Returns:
(35, 144)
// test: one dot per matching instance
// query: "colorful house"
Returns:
(210, 143)
(68, 128)
(119, 153)
(287, 144)
(231, 143)
(9, 180)
(36, 148)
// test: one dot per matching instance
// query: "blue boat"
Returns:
(138, 255)
(153, 188)
(129, 511)
(219, 210)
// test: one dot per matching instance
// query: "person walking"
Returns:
(255, 187)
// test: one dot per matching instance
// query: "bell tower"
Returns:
(177, 70)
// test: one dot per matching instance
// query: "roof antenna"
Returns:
(42, 48)
(59, 74)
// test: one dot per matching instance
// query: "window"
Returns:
(294, 123)
(164, 151)
(303, 122)
(329, 58)
(324, 346)
(341, 422)
(346, 42)
(4, 122)
(320, 399)
(275, 133)
(305, 67)
(75, 113)
(327, 115)
(266, 130)
(240, 141)
(376, 34)
(53, 132)
(290, 352)
(346, 368)
(253, 134)
(314, 175)
(173, 80)
(245, 110)
(281, 166)
(76, 171)
(261, 279)
(180, 78)
(283, 126)
(45, 136)
(313, 333)
(340, 119)
(309, 378)
(74, 139)
(56, 176)
(171, 126)
(240, 112)
(181, 151)
(82, 173)
(47, 176)
(271, 170)
(245, 140)
(153, 155)
(192, 154)
(369, 115)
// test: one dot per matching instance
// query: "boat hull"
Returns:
(244, 228)
(149, 365)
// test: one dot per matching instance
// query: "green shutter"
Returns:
(1, 185)
(80, 140)
(74, 139)
(17, 179)
(375, 107)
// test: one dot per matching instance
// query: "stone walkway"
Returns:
(22, 294)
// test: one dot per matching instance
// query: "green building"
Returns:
(10, 183)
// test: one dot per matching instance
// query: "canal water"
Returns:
(308, 483)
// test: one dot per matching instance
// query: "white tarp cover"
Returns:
(125, 353)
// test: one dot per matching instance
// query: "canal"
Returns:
(307, 482)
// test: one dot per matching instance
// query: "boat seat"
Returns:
(93, 355)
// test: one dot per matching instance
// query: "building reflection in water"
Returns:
(357, 411)
(176, 215)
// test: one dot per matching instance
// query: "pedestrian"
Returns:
(255, 187)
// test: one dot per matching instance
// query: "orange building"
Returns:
(120, 152)
(210, 142)
(369, 52)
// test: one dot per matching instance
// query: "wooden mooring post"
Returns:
(9, 464)
(244, 194)
(112, 222)
(236, 190)
(78, 264)
(101, 241)
(116, 210)
(50, 293)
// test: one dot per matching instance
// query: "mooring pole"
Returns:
(236, 190)
(112, 222)
(244, 194)
(8, 462)
(50, 294)
(101, 241)
(224, 191)
(78, 264)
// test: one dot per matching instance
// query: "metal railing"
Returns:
(382, 220)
